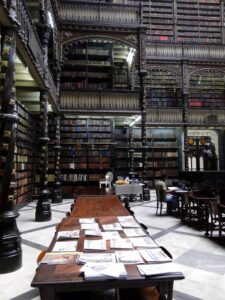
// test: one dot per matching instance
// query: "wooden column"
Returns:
(57, 195)
(222, 17)
(43, 209)
(10, 241)
(185, 96)
(142, 75)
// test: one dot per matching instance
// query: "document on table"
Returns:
(125, 218)
(64, 235)
(112, 227)
(121, 244)
(110, 235)
(129, 257)
(94, 232)
(53, 258)
(159, 269)
(95, 245)
(87, 226)
(156, 255)
(97, 258)
(65, 246)
(87, 220)
(133, 232)
(143, 242)
(93, 271)
(129, 224)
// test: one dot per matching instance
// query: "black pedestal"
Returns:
(10, 243)
(56, 194)
(43, 208)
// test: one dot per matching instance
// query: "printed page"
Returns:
(120, 244)
(156, 255)
(143, 242)
(159, 269)
(65, 246)
(110, 235)
(133, 232)
(129, 257)
(112, 227)
(94, 245)
(86, 220)
(65, 235)
(97, 258)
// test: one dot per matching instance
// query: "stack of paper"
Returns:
(159, 269)
(93, 271)
(95, 245)
(97, 258)
(156, 255)
(65, 235)
(128, 257)
(65, 246)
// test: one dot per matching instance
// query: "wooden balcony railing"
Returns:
(30, 40)
(185, 51)
(99, 12)
(100, 101)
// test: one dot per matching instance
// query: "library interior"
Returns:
(112, 149)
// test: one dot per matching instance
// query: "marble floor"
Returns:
(202, 260)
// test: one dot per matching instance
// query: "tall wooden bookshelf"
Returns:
(86, 154)
(162, 154)
(95, 65)
(24, 155)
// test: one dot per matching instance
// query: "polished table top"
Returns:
(54, 279)
(67, 276)
(98, 206)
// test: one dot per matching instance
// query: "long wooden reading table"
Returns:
(98, 206)
(52, 280)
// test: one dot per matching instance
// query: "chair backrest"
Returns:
(109, 176)
(160, 192)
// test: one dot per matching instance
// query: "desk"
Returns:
(204, 202)
(98, 206)
(129, 189)
(55, 279)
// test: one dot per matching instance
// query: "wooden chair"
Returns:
(160, 199)
(216, 218)
(221, 210)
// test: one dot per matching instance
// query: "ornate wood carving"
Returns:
(10, 241)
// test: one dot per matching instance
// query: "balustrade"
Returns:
(185, 50)
(99, 12)
(101, 101)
